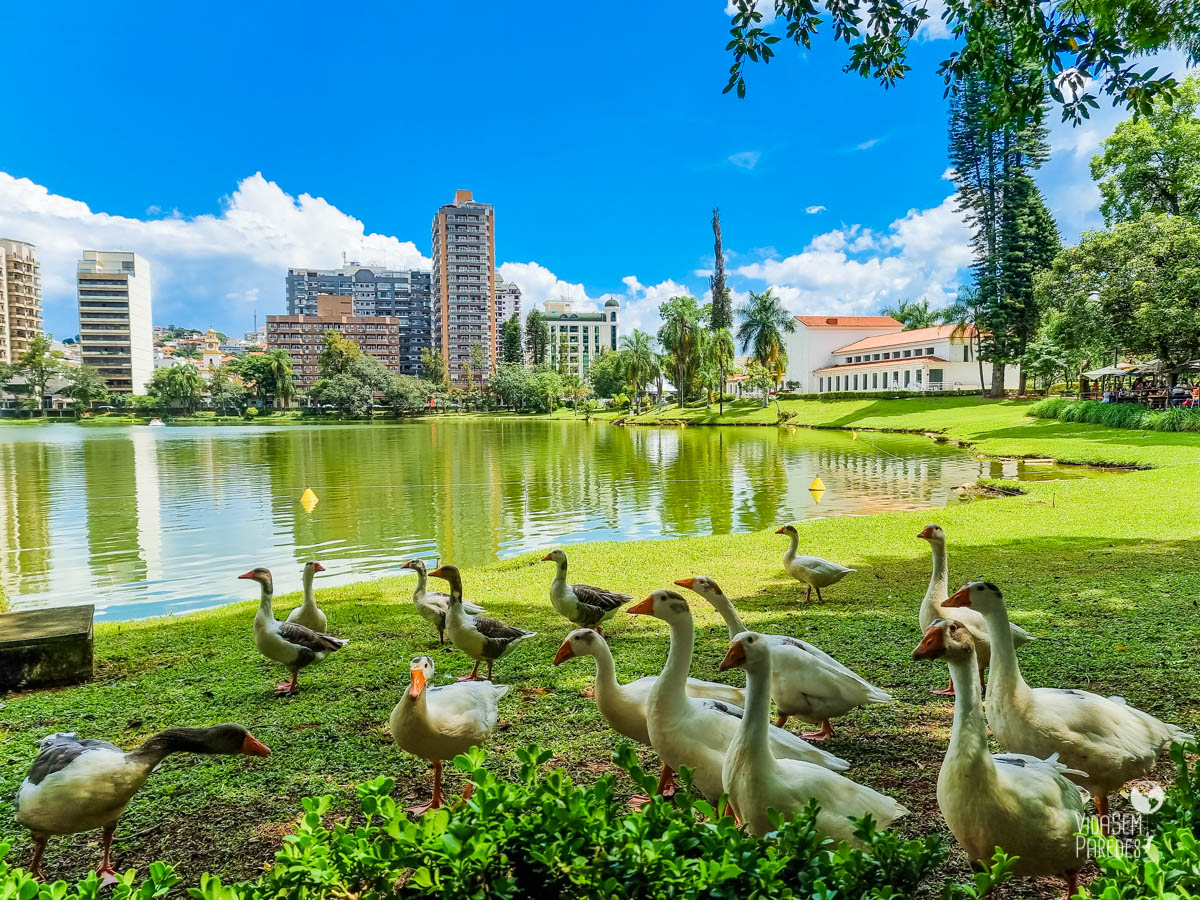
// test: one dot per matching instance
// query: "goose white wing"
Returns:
(468, 709)
(784, 744)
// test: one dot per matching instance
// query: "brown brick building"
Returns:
(303, 338)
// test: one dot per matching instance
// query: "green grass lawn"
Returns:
(1105, 572)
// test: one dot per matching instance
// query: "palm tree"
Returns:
(764, 323)
(913, 314)
(282, 385)
(639, 362)
(183, 386)
(964, 314)
(679, 337)
(722, 351)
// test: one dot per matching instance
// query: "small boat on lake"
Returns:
(157, 423)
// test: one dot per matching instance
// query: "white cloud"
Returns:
(855, 270)
(766, 7)
(747, 159)
(813, 210)
(867, 145)
(207, 269)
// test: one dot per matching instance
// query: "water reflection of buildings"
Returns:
(24, 517)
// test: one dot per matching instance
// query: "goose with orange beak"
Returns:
(936, 595)
(286, 642)
(1023, 804)
(308, 613)
(438, 723)
(684, 732)
(1105, 737)
(813, 571)
(480, 637)
(581, 604)
(806, 682)
(433, 606)
(756, 781)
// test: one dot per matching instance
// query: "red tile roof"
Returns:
(885, 363)
(849, 321)
(916, 336)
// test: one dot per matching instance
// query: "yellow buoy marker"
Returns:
(817, 484)
(854, 435)
(308, 500)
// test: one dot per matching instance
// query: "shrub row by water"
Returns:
(542, 836)
(1118, 415)
(875, 395)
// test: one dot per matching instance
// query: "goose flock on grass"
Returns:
(1062, 745)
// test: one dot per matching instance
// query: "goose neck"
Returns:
(968, 741)
(733, 621)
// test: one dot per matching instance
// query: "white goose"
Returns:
(286, 642)
(308, 613)
(79, 784)
(811, 570)
(438, 723)
(624, 705)
(973, 621)
(806, 682)
(1105, 737)
(581, 604)
(756, 781)
(433, 605)
(479, 637)
(1022, 804)
(685, 733)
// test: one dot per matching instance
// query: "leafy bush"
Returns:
(1118, 415)
(874, 395)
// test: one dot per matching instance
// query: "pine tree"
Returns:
(511, 350)
(722, 310)
(537, 338)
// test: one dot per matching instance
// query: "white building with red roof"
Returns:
(811, 346)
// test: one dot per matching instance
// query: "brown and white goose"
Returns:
(480, 637)
(80, 784)
(308, 613)
(433, 605)
(286, 642)
(582, 604)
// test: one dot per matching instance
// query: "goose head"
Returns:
(556, 556)
(704, 586)
(580, 642)
(945, 638)
(228, 739)
(262, 575)
(663, 604)
(450, 574)
(312, 567)
(749, 650)
(417, 565)
(421, 671)
(981, 595)
(789, 530)
(933, 534)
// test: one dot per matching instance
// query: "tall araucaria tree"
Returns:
(722, 308)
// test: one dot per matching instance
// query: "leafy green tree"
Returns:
(38, 365)
(1020, 50)
(965, 314)
(407, 395)
(511, 348)
(349, 395)
(1133, 288)
(478, 363)
(225, 389)
(761, 380)
(267, 376)
(574, 389)
(545, 387)
(283, 384)
(1152, 163)
(85, 386)
(187, 351)
(511, 384)
(338, 354)
(605, 374)
(764, 323)
(722, 353)
(639, 363)
(913, 314)
(179, 386)
(537, 337)
(434, 366)
(679, 337)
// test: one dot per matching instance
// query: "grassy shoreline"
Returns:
(1106, 572)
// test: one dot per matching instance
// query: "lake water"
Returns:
(150, 521)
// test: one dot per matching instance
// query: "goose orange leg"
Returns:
(288, 687)
(825, 732)
(436, 801)
(1072, 883)
(39, 850)
(947, 691)
(666, 788)
(474, 676)
(107, 874)
(780, 720)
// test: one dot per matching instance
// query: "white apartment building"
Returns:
(577, 338)
(20, 298)
(941, 358)
(508, 304)
(115, 330)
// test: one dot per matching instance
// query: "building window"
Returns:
(966, 353)
(856, 382)
(907, 377)
(918, 376)
(874, 379)
(929, 351)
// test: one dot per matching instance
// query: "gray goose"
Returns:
(582, 604)
(286, 642)
(433, 605)
(480, 637)
(80, 784)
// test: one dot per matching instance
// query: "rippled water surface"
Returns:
(146, 521)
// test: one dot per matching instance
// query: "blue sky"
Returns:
(227, 141)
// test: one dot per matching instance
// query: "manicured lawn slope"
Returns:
(1105, 572)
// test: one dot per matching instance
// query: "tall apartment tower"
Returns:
(464, 285)
(115, 329)
(375, 291)
(508, 304)
(20, 298)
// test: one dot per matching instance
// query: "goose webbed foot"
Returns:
(108, 875)
(825, 732)
(947, 691)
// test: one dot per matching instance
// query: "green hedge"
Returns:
(874, 395)
(1118, 415)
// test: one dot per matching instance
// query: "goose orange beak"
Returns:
(437, 573)
(249, 575)
(547, 558)
(645, 608)
(565, 652)
(407, 565)
(418, 683)
(686, 582)
(926, 533)
(252, 746)
(782, 530)
(961, 597)
(932, 645)
(735, 657)
(317, 567)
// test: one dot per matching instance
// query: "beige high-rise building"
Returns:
(20, 298)
(464, 286)
(115, 328)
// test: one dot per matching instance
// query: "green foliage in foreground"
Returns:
(1118, 415)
